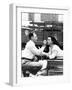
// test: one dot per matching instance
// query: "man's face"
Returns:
(35, 37)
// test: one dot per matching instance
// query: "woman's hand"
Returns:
(46, 54)
(35, 58)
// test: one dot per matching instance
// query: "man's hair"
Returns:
(30, 35)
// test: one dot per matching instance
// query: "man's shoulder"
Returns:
(30, 43)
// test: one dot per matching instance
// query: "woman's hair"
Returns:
(55, 41)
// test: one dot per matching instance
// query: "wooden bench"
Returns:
(55, 67)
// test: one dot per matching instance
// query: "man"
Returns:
(30, 51)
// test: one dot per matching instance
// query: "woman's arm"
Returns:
(43, 53)
(52, 55)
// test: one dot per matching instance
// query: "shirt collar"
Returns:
(32, 41)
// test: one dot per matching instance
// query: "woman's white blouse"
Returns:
(55, 51)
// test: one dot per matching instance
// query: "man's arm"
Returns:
(44, 45)
(42, 48)
(35, 51)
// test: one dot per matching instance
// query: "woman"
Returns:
(54, 48)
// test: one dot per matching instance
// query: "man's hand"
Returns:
(44, 42)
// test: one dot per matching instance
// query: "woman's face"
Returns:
(49, 41)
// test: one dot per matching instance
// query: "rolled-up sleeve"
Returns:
(35, 51)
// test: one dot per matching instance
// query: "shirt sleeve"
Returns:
(42, 48)
(34, 50)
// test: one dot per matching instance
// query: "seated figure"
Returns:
(54, 48)
(28, 54)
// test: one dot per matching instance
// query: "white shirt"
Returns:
(55, 51)
(30, 50)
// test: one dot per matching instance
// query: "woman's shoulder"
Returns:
(55, 46)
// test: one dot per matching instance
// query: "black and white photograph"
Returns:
(36, 44)
(38, 48)
(41, 44)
